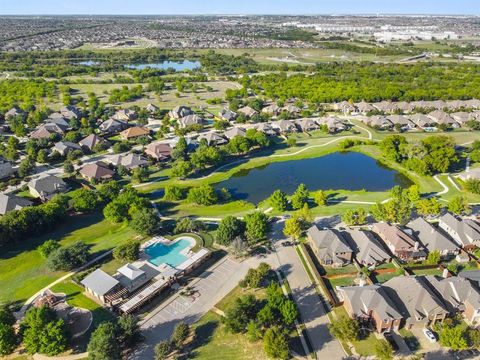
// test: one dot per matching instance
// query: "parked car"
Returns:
(430, 335)
(389, 337)
(466, 354)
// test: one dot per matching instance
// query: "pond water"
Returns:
(176, 65)
(337, 171)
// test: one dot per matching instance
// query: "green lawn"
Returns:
(366, 347)
(76, 298)
(213, 341)
(342, 281)
(22, 269)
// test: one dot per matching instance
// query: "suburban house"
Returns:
(233, 132)
(70, 112)
(15, 111)
(329, 246)
(432, 238)
(422, 121)
(405, 107)
(12, 202)
(460, 295)
(247, 111)
(292, 110)
(158, 151)
(44, 131)
(379, 122)
(64, 147)
(284, 126)
(367, 249)
(465, 232)
(266, 128)
(227, 115)
(179, 112)
(190, 120)
(134, 132)
(345, 107)
(151, 108)
(212, 138)
(130, 161)
(112, 126)
(96, 171)
(441, 117)
(6, 169)
(272, 109)
(46, 186)
(307, 125)
(59, 120)
(125, 115)
(91, 141)
(333, 124)
(402, 245)
(401, 120)
(415, 300)
(101, 285)
(371, 306)
(472, 275)
(385, 106)
(363, 107)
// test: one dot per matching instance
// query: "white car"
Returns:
(429, 335)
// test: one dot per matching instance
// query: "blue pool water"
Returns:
(167, 254)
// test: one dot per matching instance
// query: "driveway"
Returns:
(311, 310)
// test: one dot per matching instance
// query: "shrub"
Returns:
(48, 247)
(127, 252)
(68, 258)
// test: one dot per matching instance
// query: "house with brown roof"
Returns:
(96, 171)
(402, 245)
(158, 151)
(134, 132)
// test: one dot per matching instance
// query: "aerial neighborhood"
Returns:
(239, 187)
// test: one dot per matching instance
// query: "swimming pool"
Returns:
(159, 253)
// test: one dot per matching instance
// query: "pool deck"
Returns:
(167, 274)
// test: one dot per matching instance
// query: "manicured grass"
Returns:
(238, 208)
(213, 341)
(76, 298)
(434, 271)
(237, 292)
(381, 278)
(23, 270)
(366, 347)
(342, 281)
(343, 270)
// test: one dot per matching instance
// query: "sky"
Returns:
(293, 7)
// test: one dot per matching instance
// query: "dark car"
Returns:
(389, 337)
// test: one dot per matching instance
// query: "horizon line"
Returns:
(254, 14)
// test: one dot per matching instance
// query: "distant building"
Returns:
(46, 186)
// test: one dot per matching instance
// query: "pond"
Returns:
(337, 171)
(176, 65)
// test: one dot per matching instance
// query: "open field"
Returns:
(23, 271)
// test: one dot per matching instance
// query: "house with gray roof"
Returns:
(266, 128)
(151, 108)
(179, 112)
(272, 109)
(363, 107)
(284, 126)
(401, 120)
(46, 186)
(59, 121)
(14, 112)
(334, 124)
(442, 118)
(385, 106)
(422, 121)
(345, 107)
(99, 285)
(6, 168)
(64, 147)
(371, 305)
(212, 138)
(466, 232)
(367, 249)
(91, 141)
(190, 120)
(233, 132)
(227, 115)
(432, 238)
(415, 300)
(112, 126)
(330, 247)
(12, 202)
(247, 111)
(307, 125)
(378, 122)
(129, 161)
(125, 115)
(70, 112)
(292, 110)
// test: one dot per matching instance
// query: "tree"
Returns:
(238, 315)
(188, 225)
(320, 198)
(344, 328)
(68, 258)
(383, 350)
(473, 185)
(43, 332)
(300, 197)
(293, 228)
(453, 337)
(289, 312)
(356, 217)
(26, 167)
(116, 211)
(173, 193)
(275, 344)
(429, 207)
(459, 205)
(129, 330)
(202, 195)
(238, 246)
(104, 343)
(162, 350)
(145, 221)
(180, 334)
(413, 193)
(229, 228)
(180, 150)
(291, 142)
(181, 168)
(392, 147)
(128, 251)
(256, 226)
(108, 190)
(254, 331)
(8, 339)
(48, 247)
(279, 201)
(84, 200)
(434, 257)
(42, 156)
(140, 175)
(68, 167)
